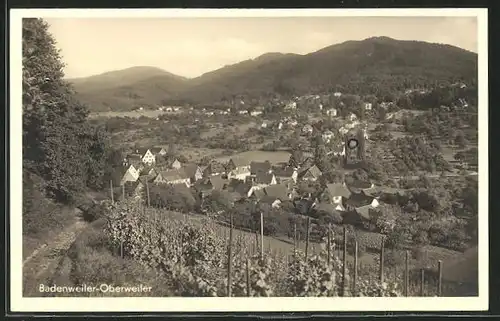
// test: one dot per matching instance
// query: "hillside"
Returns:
(126, 89)
(377, 65)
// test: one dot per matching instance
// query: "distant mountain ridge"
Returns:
(372, 66)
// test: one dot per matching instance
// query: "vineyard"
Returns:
(200, 260)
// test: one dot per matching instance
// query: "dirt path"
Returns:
(43, 262)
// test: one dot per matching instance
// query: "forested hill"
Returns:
(377, 66)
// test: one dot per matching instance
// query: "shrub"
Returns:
(94, 212)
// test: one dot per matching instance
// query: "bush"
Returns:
(94, 212)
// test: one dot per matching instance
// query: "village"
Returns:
(271, 177)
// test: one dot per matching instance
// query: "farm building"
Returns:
(312, 173)
(130, 174)
(286, 175)
(335, 194)
(173, 177)
(193, 171)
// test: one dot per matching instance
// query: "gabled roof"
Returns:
(190, 169)
(359, 199)
(132, 158)
(326, 208)
(364, 211)
(215, 167)
(284, 172)
(264, 178)
(218, 182)
(240, 161)
(312, 170)
(156, 150)
(242, 188)
(256, 167)
(259, 193)
(141, 151)
(173, 175)
(277, 191)
(337, 189)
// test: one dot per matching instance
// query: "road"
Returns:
(43, 262)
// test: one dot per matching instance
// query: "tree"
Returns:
(59, 145)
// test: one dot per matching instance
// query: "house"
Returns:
(243, 112)
(307, 129)
(172, 176)
(134, 160)
(337, 94)
(255, 113)
(320, 106)
(358, 216)
(158, 151)
(352, 117)
(327, 136)
(286, 175)
(207, 185)
(264, 179)
(338, 150)
(130, 174)
(275, 195)
(214, 168)
(291, 105)
(335, 194)
(193, 171)
(343, 130)
(358, 200)
(264, 124)
(368, 106)
(240, 173)
(147, 157)
(169, 109)
(280, 125)
(150, 172)
(256, 167)
(133, 189)
(311, 174)
(174, 164)
(331, 210)
(332, 112)
(239, 163)
(243, 189)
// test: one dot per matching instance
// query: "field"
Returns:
(131, 114)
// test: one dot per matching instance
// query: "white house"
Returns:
(243, 112)
(368, 106)
(320, 106)
(331, 112)
(280, 125)
(343, 130)
(352, 117)
(337, 94)
(256, 113)
(131, 175)
(327, 136)
(265, 124)
(291, 105)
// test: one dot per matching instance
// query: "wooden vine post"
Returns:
(344, 264)
(261, 235)
(123, 192)
(407, 272)
(422, 280)
(247, 268)
(355, 274)
(147, 191)
(111, 190)
(307, 235)
(381, 267)
(440, 277)
(230, 258)
(329, 243)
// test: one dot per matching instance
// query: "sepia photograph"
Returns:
(192, 160)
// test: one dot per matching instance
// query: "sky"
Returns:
(192, 46)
